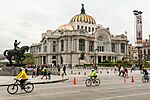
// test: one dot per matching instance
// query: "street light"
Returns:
(126, 44)
(139, 44)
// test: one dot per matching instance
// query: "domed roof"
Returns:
(82, 17)
(66, 27)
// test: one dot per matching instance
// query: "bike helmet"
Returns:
(21, 69)
(92, 69)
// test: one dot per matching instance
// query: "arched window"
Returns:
(122, 48)
(78, 27)
(89, 29)
(91, 46)
(81, 45)
(86, 28)
(92, 29)
(62, 45)
(45, 46)
(113, 47)
(81, 27)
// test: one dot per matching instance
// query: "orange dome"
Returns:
(66, 27)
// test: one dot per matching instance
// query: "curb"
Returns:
(56, 81)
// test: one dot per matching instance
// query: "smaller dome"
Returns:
(66, 27)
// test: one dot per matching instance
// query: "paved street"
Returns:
(112, 88)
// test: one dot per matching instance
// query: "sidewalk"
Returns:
(6, 80)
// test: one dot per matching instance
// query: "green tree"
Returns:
(29, 59)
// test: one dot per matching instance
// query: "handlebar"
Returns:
(16, 79)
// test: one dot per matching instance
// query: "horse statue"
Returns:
(16, 54)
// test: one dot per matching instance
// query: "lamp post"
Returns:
(126, 44)
(138, 31)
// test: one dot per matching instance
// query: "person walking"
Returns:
(64, 71)
(49, 72)
(115, 69)
(44, 70)
(133, 67)
(38, 71)
(119, 69)
(33, 72)
(58, 70)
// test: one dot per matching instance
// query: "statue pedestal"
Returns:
(10, 70)
(7, 71)
(82, 62)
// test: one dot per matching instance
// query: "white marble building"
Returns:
(65, 44)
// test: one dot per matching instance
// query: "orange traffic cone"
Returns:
(132, 79)
(74, 81)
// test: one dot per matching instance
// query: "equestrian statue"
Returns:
(16, 54)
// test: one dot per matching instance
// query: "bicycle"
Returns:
(92, 81)
(13, 88)
(145, 79)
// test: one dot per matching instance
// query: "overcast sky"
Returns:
(25, 20)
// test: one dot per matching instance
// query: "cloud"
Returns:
(25, 20)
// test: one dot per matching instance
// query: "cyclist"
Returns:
(93, 74)
(22, 76)
(145, 72)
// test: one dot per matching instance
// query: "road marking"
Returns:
(122, 96)
(37, 95)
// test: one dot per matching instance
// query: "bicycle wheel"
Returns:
(143, 79)
(29, 87)
(97, 82)
(12, 89)
(88, 82)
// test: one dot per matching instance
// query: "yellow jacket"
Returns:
(91, 74)
(22, 75)
(43, 70)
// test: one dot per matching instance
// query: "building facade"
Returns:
(81, 35)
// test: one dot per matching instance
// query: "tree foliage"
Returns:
(29, 59)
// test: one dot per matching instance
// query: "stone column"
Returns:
(119, 48)
(101, 58)
(42, 59)
(86, 46)
(77, 45)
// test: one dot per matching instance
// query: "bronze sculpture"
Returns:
(16, 54)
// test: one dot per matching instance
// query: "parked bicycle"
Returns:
(13, 88)
(92, 81)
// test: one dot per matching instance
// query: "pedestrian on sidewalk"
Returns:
(44, 70)
(119, 70)
(38, 71)
(126, 72)
(115, 69)
(64, 71)
(49, 72)
(58, 67)
(33, 72)
(133, 67)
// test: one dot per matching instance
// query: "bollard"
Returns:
(71, 72)
(100, 72)
(84, 73)
(78, 73)
(107, 72)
